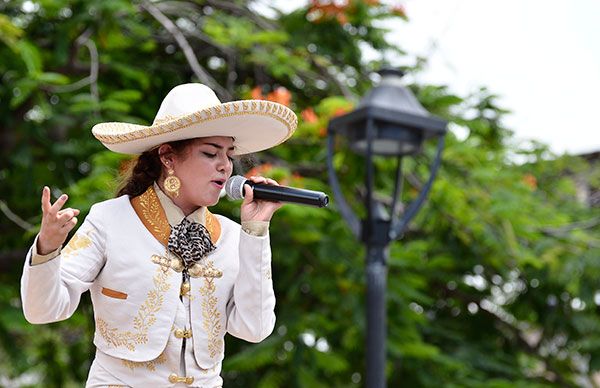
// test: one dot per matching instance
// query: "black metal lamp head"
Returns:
(390, 122)
(399, 122)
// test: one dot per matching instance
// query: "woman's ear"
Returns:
(166, 155)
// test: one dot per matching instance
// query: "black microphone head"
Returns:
(234, 187)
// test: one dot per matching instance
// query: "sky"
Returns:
(541, 57)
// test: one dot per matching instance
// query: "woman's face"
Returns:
(203, 168)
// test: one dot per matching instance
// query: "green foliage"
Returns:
(493, 285)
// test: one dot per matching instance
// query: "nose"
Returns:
(224, 164)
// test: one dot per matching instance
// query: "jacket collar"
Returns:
(174, 213)
(155, 218)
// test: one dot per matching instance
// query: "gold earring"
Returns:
(172, 184)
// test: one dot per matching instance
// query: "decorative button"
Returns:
(197, 270)
(183, 333)
(173, 378)
(185, 288)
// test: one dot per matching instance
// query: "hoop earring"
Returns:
(172, 184)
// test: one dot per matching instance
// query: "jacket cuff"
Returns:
(36, 258)
(256, 228)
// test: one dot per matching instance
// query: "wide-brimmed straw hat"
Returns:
(193, 110)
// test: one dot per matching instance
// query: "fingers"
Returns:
(262, 179)
(46, 200)
(65, 215)
(66, 228)
(59, 203)
(248, 193)
(67, 210)
(56, 217)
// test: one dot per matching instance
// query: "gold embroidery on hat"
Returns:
(211, 317)
(150, 365)
(144, 319)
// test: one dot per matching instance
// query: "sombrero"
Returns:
(193, 110)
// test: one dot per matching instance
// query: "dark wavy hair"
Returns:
(144, 170)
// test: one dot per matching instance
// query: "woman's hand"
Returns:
(56, 223)
(258, 210)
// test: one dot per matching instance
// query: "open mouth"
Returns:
(219, 182)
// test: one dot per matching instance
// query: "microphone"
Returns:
(234, 187)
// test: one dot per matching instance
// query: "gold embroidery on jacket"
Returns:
(148, 208)
(77, 242)
(152, 215)
(212, 225)
(150, 365)
(211, 317)
(145, 318)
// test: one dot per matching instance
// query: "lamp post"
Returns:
(388, 122)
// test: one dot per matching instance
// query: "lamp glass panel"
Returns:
(390, 139)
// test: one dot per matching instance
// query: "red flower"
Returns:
(256, 93)
(259, 170)
(340, 111)
(399, 10)
(530, 181)
(309, 115)
(280, 95)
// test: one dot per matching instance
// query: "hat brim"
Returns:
(255, 125)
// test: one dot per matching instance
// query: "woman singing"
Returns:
(167, 277)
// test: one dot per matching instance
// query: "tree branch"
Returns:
(92, 79)
(346, 92)
(14, 218)
(242, 11)
(198, 70)
(561, 231)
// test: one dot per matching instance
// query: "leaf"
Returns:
(115, 105)
(30, 55)
(330, 362)
(52, 78)
(126, 95)
(9, 33)
(23, 89)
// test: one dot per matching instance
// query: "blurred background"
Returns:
(494, 285)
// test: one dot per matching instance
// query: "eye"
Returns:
(209, 154)
(230, 158)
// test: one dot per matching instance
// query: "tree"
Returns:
(493, 285)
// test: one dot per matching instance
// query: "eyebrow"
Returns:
(220, 146)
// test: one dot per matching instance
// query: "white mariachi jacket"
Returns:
(119, 254)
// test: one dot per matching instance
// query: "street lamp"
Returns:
(388, 122)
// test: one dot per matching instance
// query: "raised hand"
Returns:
(56, 223)
(258, 210)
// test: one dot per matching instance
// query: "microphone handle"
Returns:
(288, 194)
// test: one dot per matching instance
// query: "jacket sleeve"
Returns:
(251, 309)
(50, 291)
